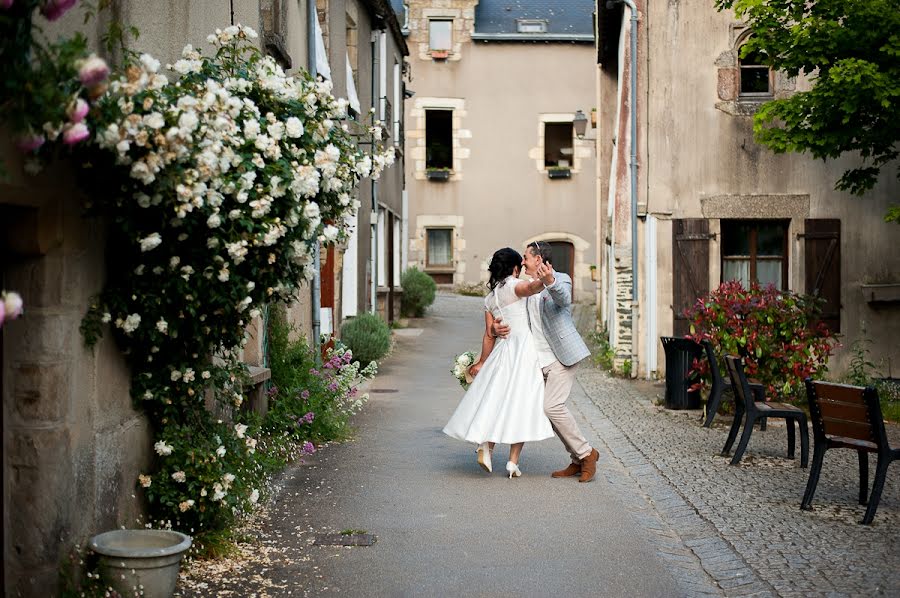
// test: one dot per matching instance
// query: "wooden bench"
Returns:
(848, 417)
(750, 405)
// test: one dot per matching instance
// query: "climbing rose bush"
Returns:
(218, 175)
(778, 333)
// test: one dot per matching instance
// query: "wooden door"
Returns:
(822, 245)
(690, 272)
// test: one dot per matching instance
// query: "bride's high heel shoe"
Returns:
(484, 456)
(513, 469)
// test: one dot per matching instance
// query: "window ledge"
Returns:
(559, 173)
(881, 293)
(450, 268)
(438, 175)
(743, 106)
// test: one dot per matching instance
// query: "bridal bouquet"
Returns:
(461, 366)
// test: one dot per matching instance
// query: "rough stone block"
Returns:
(39, 280)
(727, 84)
(44, 336)
(41, 392)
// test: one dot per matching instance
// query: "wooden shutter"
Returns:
(822, 245)
(690, 238)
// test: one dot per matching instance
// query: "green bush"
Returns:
(418, 292)
(367, 336)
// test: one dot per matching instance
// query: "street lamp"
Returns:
(580, 124)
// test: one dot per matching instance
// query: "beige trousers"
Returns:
(558, 380)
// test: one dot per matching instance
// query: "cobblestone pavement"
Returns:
(743, 522)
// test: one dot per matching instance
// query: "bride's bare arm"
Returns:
(487, 344)
(544, 278)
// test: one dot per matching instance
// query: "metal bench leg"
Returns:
(712, 407)
(732, 433)
(863, 476)
(762, 424)
(792, 436)
(745, 440)
(815, 470)
(877, 487)
(804, 442)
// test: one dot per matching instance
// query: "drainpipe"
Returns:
(373, 218)
(634, 166)
(316, 287)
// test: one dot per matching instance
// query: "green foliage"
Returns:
(418, 292)
(850, 51)
(308, 402)
(860, 369)
(368, 336)
(477, 289)
(604, 354)
(626, 368)
(777, 332)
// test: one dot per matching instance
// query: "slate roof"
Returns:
(564, 17)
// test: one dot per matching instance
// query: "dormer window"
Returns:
(531, 25)
(756, 76)
(440, 35)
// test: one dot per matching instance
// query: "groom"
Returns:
(560, 348)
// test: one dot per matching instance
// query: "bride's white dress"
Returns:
(505, 402)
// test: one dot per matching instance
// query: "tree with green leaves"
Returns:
(849, 50)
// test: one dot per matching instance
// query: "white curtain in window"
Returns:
(737, 270)
(769, 272)
(352, 96)
(322, 67)
(439, 247)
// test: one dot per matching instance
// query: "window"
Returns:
(558, 145)
(755, 251)
(439, 139)
(439, 248)
(755, 75)
(563, 256)
(440, 34)
(531, 26)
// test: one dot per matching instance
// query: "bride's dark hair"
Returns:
(504, 262)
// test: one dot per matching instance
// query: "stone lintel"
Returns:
(756, 206)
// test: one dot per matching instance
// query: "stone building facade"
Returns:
(492, 156)
(73, 444)
(712, 205)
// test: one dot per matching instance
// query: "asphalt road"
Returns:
(444, 527)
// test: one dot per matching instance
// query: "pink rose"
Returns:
(4, 4)
(12, 303)
(54, 9)
(2, 313)
(92, 70)
(77, 110)
(75, 133)
(30, 142)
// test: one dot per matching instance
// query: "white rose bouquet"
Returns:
(461, 365)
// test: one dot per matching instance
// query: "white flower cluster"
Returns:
(204, 149)
(461, 365)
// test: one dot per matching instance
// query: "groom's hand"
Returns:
(546, 274)
(499, 329)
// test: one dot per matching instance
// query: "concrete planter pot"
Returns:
(131, 558)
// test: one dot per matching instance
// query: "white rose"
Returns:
(463, 360)
(220, 451)
(151, 241)
(240, 430)
(163, 449)
(294, 127)
(179, 476)
(214, 221)
(254, 496)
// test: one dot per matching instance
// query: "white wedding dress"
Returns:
(505, 402)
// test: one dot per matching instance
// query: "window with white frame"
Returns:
(398, 102)
(756, 76)
(755, 251)
(439, 248)
(440, 35)
(558, 144)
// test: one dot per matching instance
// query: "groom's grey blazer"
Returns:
(557, 323)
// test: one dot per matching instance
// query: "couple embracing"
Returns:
(526, 369)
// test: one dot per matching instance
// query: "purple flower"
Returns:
(333, 386)
(92, 70)
(272, 391)
(76, 134)
(4, 4)
(30, 142)
(308, 448)
(304, 395)
(77, 110)
(309, 417)
(353, 392)
(314, 371)
(53, 9)
(347, 357)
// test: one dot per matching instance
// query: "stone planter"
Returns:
(131, 558)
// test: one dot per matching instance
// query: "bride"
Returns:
(505, 402)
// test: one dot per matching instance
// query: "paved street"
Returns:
(666, 516)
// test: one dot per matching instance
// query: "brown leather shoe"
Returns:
(589, 466)
(572, 470)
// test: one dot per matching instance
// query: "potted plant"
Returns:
(595, 274)
(593, 118)
(559, 172)
(440, 54)
(141, 558)
(438, 173)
